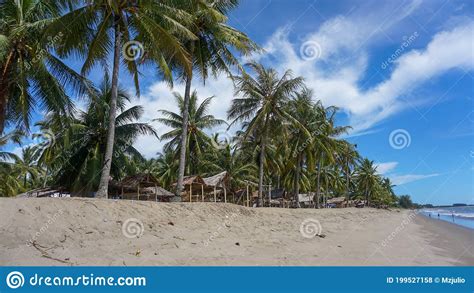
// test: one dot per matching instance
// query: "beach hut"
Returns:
(337, 202)
(140, 186)
(194, 186)
(218, 183)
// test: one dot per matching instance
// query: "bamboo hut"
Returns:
(140, 187)
(219, 184)
(194, 188)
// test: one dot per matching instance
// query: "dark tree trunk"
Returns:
(318, 182)
(297, 181)
(3, 106)
(109, 148)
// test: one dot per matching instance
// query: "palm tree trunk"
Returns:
(184, 138)
(260, 175)
(3, 106)
(297, 181)
(109, 148)
(318, 182)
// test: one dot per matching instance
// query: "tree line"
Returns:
(285, 136)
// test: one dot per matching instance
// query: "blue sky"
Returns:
(401, 72)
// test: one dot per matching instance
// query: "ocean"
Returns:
(463, 216)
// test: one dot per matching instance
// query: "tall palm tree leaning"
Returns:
(263, 106)
(209, 53)
(99, 28)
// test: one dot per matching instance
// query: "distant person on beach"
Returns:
(438, 215)
(429, 215)
(452, 216)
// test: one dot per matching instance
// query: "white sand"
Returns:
(89, 232)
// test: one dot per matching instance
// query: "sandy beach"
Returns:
(78, 231)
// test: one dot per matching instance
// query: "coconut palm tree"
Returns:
(27, 166)
(167, 168)
(367, 178)
(263, 106)
(198, 120)
(100, 28)
(31, 76)
(81, 161)
(211, 52)
(10, 182)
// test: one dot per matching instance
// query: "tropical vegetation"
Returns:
(278, 133)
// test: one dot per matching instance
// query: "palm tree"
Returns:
(264, 106)
(9, 176)
(30, 75)
(27, 165)
(367, 178)
(151, 23)
(198, 120)
(212, 51)
(81, 161)
(302, 139)
(167, 168)
(347, 157)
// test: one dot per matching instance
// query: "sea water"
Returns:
(463, 215)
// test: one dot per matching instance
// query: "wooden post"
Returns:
(190, 192)
(248, 202)
(202, 192)
(215, 196)
(225, 193)
(269, 195)
(138, 191)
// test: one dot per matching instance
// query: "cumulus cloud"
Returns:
(342, 59)
(336, 67)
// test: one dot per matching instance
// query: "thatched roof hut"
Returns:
(193, 186)
(220, 180)
(337, 201)
(141, 179)
(140, 186)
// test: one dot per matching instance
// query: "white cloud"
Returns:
(344, 52)
(384, 168)
(403, 179)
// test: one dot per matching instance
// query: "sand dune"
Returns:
(106, 232)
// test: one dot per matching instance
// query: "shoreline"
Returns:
(455, 240)
(80, 231)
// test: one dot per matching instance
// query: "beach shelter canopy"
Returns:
(217, 181)
(141, 179)
(195, 182)
(159, 191)
(337, 200)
